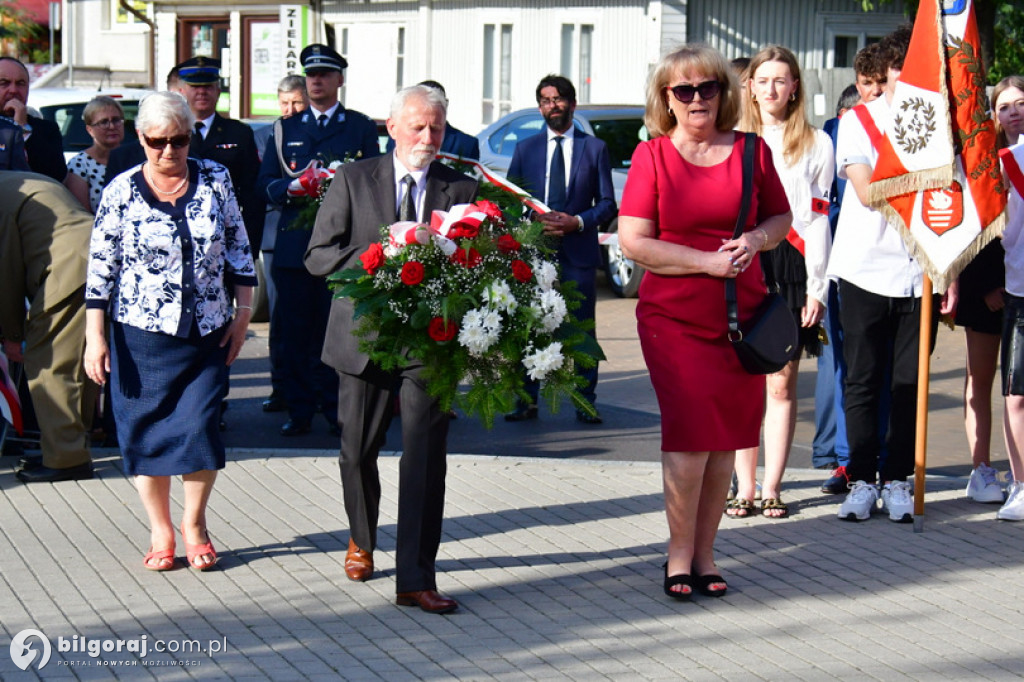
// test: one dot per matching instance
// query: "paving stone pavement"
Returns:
(556, 565)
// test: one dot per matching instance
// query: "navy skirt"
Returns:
(166, 393)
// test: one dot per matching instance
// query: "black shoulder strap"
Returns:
(731, 309)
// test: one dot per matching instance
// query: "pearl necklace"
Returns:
(152, 183)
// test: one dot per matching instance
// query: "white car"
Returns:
(64, 106)
(621, 127)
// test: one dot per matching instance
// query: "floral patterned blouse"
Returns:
(163, 267)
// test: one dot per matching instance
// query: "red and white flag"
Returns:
(10, 403)
(937, 178)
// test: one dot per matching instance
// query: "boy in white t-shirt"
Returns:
(880, 307)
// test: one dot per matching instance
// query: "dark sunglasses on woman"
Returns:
(707, 90)
(177, 142)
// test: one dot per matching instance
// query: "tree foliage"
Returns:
(1000, 27)
(20, 35)
(1009, 42)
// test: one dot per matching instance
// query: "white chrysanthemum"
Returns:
(545, 273)
(499, 295)
(539, 364)
(475, 339)
(492, 320)
(550, 309)
(473, 318)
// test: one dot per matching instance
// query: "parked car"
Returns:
(64, 106)
(621, 127)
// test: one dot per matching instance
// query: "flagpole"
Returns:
(923, 379)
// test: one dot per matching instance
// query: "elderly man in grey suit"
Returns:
(405, 185)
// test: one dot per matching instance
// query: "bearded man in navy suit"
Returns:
(571, 170)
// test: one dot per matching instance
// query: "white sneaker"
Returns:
(1013, 510)
(897, 500)
(983, 485)
(859, 502)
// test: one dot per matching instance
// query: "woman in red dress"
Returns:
(677, 219)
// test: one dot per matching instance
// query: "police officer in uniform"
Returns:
(323, 133)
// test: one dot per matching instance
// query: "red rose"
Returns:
(412, 273)
(372, 258)
(467, 259)
(521, 271)
(442, 330)
(492, 210)
(508, 244)
(464, 229)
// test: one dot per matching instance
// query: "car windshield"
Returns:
(622, 135)
(68, 118)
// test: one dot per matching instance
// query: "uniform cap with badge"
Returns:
(318, 57)
(200, 71)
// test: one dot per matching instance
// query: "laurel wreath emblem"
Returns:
(914, 125)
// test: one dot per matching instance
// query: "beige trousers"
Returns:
(63, 396)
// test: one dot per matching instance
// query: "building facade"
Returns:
(489, 55)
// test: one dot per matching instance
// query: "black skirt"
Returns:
(785, 271)
(166, 393)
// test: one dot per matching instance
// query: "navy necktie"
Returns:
(407, 210)
(556, 178)
(322, 120)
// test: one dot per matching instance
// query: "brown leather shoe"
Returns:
(358, 563)
(430, 601)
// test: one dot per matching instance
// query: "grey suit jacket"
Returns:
(360, 201)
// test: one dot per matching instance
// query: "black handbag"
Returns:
(769, 339)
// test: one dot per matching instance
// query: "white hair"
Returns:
(163, 109)
(431, 96)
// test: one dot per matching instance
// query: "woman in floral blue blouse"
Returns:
(169, 253)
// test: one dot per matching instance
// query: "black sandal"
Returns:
(671, 581)
(740, 507)
(704, 583)
(774, 504)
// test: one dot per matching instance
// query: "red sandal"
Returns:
(193, 552)
(164, 559)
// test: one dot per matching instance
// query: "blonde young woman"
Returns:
(805, 162)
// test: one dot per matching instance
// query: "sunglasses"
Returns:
(707, 90)
(177, 142)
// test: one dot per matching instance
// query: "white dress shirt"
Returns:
(419, 189)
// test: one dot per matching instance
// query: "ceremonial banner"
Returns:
(937, 178)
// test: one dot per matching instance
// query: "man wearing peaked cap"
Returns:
(325, 132)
